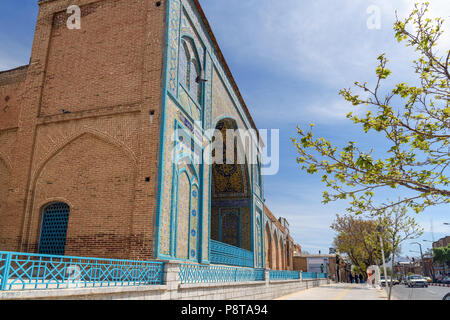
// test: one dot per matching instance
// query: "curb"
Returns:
(439, 284)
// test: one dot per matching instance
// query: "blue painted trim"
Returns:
(162, 134)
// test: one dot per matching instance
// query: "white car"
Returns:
(383, 281)
(417, 281)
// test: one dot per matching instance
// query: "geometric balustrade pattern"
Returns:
(222, 253)
(283, 275)
(25, 271)
(194, 273)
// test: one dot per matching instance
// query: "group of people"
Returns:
(356, 278)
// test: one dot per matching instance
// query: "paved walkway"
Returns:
(339, 291)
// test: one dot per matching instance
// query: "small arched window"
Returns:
(184, 65)
(55, 219)
(190, 70)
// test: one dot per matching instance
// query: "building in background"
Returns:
(317, 263)
(443, 242)
(279, 245)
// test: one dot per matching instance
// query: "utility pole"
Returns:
(423, 261)
(380, 230)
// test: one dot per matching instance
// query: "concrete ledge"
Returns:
(220, 284)
(61, 293)
(286, 281)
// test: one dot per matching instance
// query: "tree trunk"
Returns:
(392, 277)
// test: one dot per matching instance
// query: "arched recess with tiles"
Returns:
(231, 203)
(95, 176)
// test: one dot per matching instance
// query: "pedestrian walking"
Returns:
(351, 278)
(361, 278)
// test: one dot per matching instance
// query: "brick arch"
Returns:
(85, 131)
(275, 250)
(288, 254)
(97, 176)
(268, 245)
(5, 176)
(281, 256)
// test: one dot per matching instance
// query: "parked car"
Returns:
(429, 280)
(446, 280)
(383, 281)
(396, 282)
(417, 281)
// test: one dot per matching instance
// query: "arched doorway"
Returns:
(231, 221)
(55, 219)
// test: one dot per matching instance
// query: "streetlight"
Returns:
(421, 256)
(380, 230)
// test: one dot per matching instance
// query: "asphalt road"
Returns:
(402, 292)
(338, 291)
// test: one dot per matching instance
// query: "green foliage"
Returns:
(358, 239)
(416, 131)
(442, 254)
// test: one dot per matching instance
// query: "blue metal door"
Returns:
(55, 218)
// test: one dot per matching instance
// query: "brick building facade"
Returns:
(94, 132)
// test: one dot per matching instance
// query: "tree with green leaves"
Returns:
(441, 255)
(357, 239)
(397, 228)
(413, 120)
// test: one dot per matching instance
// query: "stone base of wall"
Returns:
(173, 290)
(238, 291)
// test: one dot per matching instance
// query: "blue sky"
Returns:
(289, 59)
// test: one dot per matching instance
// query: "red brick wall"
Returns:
(11, 83)
(99, 65)
(96, 158)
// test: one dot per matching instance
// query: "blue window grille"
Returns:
(222, 253)
(283, 275)
(26, 271)
(55, 219)
(194, 273)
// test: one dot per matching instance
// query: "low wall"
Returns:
(173, 290)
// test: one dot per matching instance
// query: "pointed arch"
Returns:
(268, 246)
(275, 246)
(190, 67)
(182, 222)
(98, 175)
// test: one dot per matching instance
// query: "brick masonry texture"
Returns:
(97, 157)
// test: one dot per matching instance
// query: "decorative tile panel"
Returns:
(174, 36)
(183, 216)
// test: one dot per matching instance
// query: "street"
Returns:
(402, 292)
(338, 291)
(346, 291)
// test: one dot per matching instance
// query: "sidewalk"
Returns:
(338, 291)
